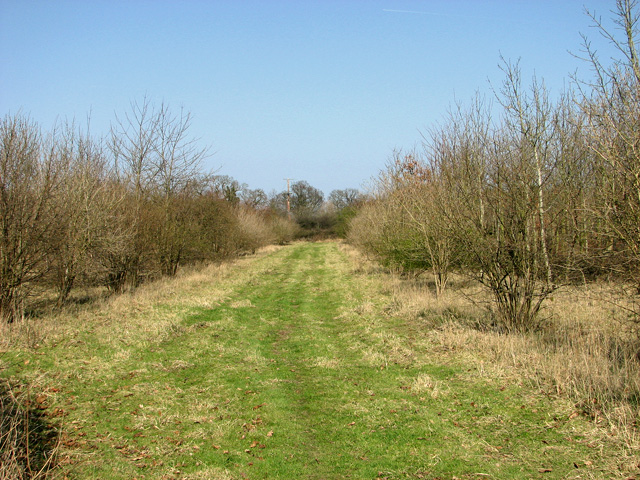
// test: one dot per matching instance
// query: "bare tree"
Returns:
(612, 107)
(178, 162)
(305, 198)
(161, 167)
(83, 203)
(494, 179)
(29, 177)
(530, 118)
(134, 140)
(254, 198)
(345, 198)
(418, 191)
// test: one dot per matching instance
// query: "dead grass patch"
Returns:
(325, 362)
(150, 313)
(246, 303)
(587, 351)
(424, 383)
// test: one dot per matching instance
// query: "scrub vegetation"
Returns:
(482, 319)
(523, 194)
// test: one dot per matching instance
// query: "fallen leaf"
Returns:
(270, 434)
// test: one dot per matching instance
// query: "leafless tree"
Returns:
(495, 178)
(29, 178)
(83, 202)
(419, 192)
(134, 141)
(344, 198)
(177, 163)
(254, 198)
(611, 103)
(161, 167)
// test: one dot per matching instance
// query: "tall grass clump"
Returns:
(585, 350)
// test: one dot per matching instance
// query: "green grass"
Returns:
(292, 371)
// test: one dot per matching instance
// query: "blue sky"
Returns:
(321, 91)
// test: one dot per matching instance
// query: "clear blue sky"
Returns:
(321, 91)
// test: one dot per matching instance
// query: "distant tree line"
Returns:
(524, 193)
(314, 215)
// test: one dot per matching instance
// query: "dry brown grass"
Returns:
(148, 314)
(121, 323)
(587, 351)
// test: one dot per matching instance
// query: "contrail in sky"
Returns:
(415, 11)
(435, 14)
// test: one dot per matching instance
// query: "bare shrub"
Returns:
(418, 191)
(84, 203)
(254, 230)
(284, 229)
(28, 445)
(29, 177)
(611, 103)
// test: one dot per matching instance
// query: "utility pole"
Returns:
(288, 197)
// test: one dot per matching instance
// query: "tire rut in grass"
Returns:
(293, 317)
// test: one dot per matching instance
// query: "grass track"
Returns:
(294, 371)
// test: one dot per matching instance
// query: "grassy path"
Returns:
(292, 370)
